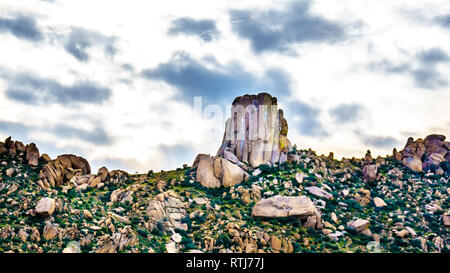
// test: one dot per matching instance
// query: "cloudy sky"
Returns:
(115, 81)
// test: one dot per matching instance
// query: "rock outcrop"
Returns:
(213, 172)
(16, 148)
(63, 169)
(425, 154)
(288, 206)
(256, 132)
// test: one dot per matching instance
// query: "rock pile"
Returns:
(61, 170)
(425, 154)
(16, 148)
(256, 132)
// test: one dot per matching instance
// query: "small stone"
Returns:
(358, 225)
(23, 235)
(72, 247)
(402, 233)
(334, 218)
(299, 177)
(50, 231)
(379, 203)
(171, 247)
(35, 235)
(176, 237)
(326, 231)
(275, 243)
(10, 172)
(411, 232)
(87, 214)
(200, 201)
(319, 192)
(256, 172)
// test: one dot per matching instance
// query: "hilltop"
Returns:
(259, 194)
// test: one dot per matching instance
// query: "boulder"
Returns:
(287, 206)
(358, 225)
(370, 172)
(45, 207)
(171, 247)
(32, 154)
(413, 163)
(103, 173)
(256, 132)
(213, 172)
(75, 162)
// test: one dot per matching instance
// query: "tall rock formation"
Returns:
(256, 132)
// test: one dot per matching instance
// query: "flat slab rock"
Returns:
(285, 206)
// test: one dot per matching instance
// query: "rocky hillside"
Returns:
(291, 201)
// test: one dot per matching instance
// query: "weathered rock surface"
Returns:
(287, 206)
(256, 132)
(213, 172)
(45, 207)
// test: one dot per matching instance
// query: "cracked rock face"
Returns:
(256, 132)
